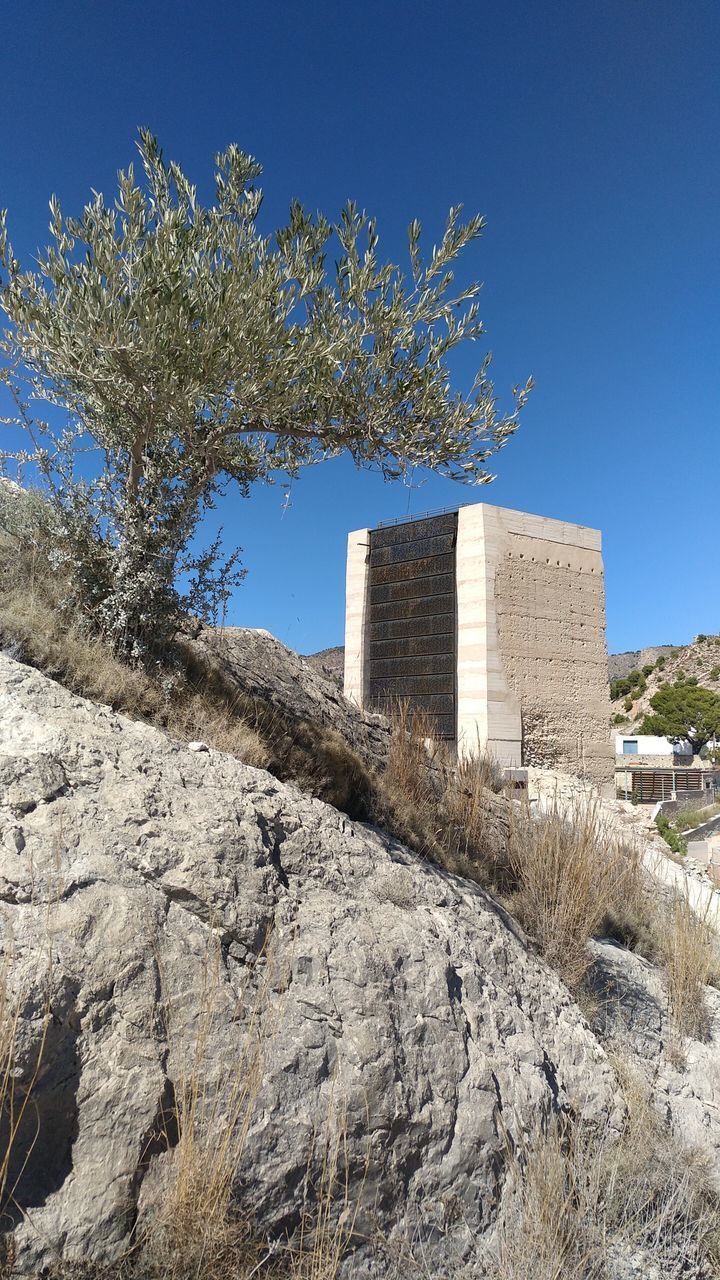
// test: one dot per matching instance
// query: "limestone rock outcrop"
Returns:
(260, 666)
(684, 1076)
(166, 913)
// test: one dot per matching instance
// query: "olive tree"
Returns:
(181, 349)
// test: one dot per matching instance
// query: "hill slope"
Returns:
(356, 984)
(699, 660)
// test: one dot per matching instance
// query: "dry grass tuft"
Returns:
(582, 1201)
(195, 1230)
(20, 1075)
(691, 962)
(567, 879)
(440, 807)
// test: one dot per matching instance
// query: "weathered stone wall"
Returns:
(531, 675)
(550, 607)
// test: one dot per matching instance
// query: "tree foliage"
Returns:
(684, 712)
(632, 685)
(187, 349)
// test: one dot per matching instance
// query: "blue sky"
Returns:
(588, 137)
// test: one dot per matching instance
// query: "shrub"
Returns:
(671, 837)
(633, 684)
(686, 819)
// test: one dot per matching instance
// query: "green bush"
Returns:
(714, 674)
(671, 837)
(634, 683)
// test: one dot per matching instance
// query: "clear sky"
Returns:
(587, 135)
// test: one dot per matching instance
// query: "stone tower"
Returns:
(493, 623)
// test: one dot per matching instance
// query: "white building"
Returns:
(643, 744)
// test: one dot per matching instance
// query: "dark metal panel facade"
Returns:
(411, 619)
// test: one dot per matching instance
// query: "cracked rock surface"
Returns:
(684, 1074)
(260, 666)
(165, 912)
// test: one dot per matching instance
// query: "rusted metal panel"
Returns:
(430, 527)
(431, 665)
(406, 570)
(436, 703)
(414, 646)
(427, 588)
(411, 642)
(411, 686)
(416, 550)
(442, 606)
(406, 628)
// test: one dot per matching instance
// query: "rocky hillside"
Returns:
(206, 968)
(633, 691)
(354, 980)
(621, 664)
(331, 662)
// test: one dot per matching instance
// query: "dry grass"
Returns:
(583, 1200)
(440, 807)
(19, 1124)
(193, 1226)
(568, 878)
(687, 819)
(195, 1231)
(187, 695)
(691, 962)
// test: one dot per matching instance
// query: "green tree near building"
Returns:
(186, 348)
(684, 712)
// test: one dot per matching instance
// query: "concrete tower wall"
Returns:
(532, 683)
(532, 658)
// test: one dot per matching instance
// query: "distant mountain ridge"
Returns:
(621, 664)
(330, 662)
(698, 661)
